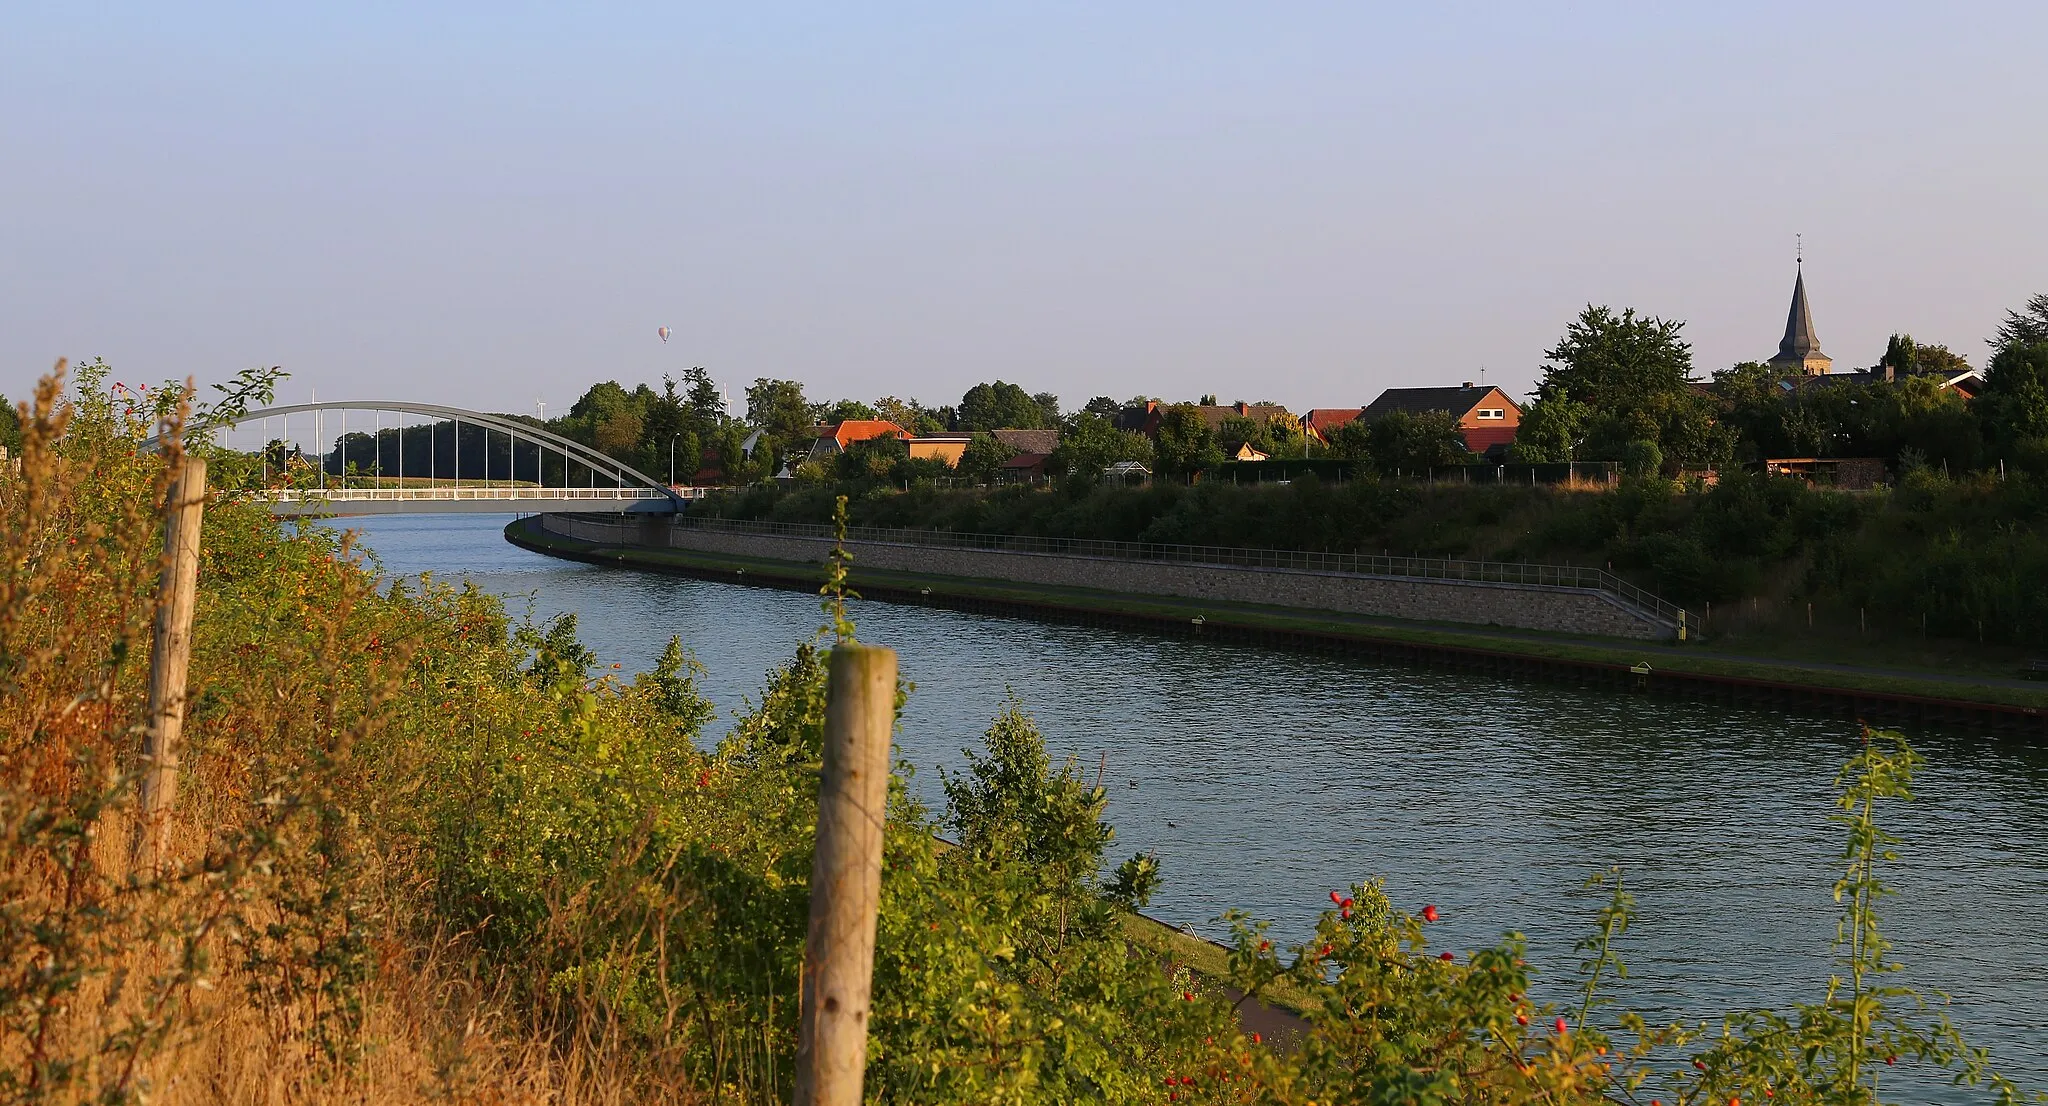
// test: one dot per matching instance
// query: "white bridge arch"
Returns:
(455, 474)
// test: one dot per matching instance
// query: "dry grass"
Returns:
(274, 954)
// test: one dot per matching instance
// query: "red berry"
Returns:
(1891, 1060)
(1521, 1019)
(1561, 1026)
(1448, 956)
(1256, 1038)
(1346, 904)
(1337, 896)
(1429, 913)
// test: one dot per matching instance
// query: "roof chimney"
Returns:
(1467, 384)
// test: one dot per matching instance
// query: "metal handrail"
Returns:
(344, 495)
(1355, 564)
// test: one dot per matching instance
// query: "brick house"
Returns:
(1485, 414)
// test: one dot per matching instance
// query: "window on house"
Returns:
(1492, 412)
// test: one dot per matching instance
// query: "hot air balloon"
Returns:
(664, 334)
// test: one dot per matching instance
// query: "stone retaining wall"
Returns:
(1522, 606)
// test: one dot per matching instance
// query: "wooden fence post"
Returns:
(846, 876)
(169, 657)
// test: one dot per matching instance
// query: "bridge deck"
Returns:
(456, 499)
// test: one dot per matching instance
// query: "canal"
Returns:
(1263, 779)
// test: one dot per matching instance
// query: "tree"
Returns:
(779, 410)
(705, 401)
(1185, 445)
(871, 458)
(1093, 443)
(1104, 406)
(848, 409)
(1641, 458)
(999, 406)
(1552, 430)
(1352, 441)
(10, 426)
(1618, 363)
(1048, 409)
(1634, 373)
(1409, 442)
(910, 415)
(983, 458)
(2025, 326)
(1905, 357)
(2014, 404)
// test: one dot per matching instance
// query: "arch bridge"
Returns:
(401, 457)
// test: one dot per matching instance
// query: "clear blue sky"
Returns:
(487, 203)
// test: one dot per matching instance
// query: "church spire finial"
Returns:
(1799, 250)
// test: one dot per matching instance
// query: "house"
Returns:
(1322, 423)
(1485, 414)
(834, 438)
(1967, 384)
(940, 447)
(1145, 420)
(1245, 452)
(1024, 468)
(1216, 414)
(1028, 441)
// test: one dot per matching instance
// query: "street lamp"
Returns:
(672, 459)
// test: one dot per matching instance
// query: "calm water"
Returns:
(1264, 779)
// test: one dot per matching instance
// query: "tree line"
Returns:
(1616, 386)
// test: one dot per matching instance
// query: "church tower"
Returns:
(1799, 351)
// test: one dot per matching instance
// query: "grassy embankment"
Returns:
(421, 853)
(1938, 576)
(1725, 657)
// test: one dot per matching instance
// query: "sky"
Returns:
(488, 205)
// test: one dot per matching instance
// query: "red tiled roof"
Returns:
(1324, 421)
(850, 431)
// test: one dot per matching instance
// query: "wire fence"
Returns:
(1354, 564)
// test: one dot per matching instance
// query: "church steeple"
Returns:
(1799, 351)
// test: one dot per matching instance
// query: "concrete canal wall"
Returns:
(1519, 606)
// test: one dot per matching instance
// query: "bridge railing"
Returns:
(451, 493)
(1354, 564)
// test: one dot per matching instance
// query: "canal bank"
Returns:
(1863, 694)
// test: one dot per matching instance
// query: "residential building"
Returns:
(940, 447)
(1028, 441)
(834, 438)
(1024, 468)
(1322, 423)
(1487, 418)
(1145, 420)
